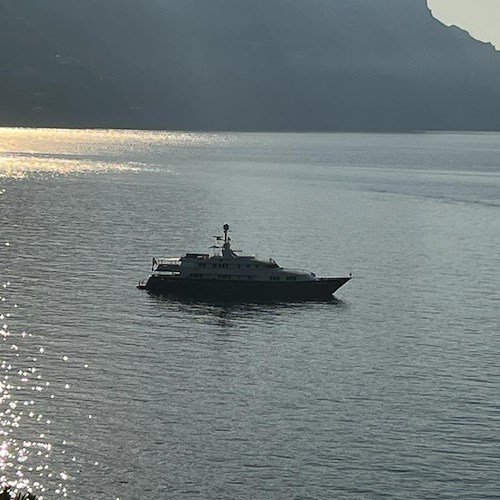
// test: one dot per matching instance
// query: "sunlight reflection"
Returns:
(26, 151)
(20, 455)
(18, 167)
(28, 460)
(45, 139)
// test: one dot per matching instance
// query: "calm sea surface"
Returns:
(393, 391)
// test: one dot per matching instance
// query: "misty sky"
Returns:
(481, 18)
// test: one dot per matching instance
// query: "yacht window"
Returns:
(214, 265)
(274, 278)
(195, 275)
(291, 278)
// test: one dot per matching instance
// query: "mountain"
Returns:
(243, 65)
(42, 82)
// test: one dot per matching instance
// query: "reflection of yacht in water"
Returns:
(236, 277)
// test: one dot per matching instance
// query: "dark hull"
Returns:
(320, 289)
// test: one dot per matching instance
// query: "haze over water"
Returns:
(392, 391)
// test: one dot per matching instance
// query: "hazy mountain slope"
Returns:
(44, 83)
(259, 64)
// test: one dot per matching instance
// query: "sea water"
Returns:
(391, 391)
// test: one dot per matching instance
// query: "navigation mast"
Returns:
(226, 247)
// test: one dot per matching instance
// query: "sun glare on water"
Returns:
(28, 448)
(33, 456)
(54, 152)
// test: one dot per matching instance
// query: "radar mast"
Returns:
(226, 247)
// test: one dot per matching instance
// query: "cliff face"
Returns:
(246, 65)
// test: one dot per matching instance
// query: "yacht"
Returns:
(227, 275)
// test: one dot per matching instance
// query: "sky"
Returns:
(481, 18)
